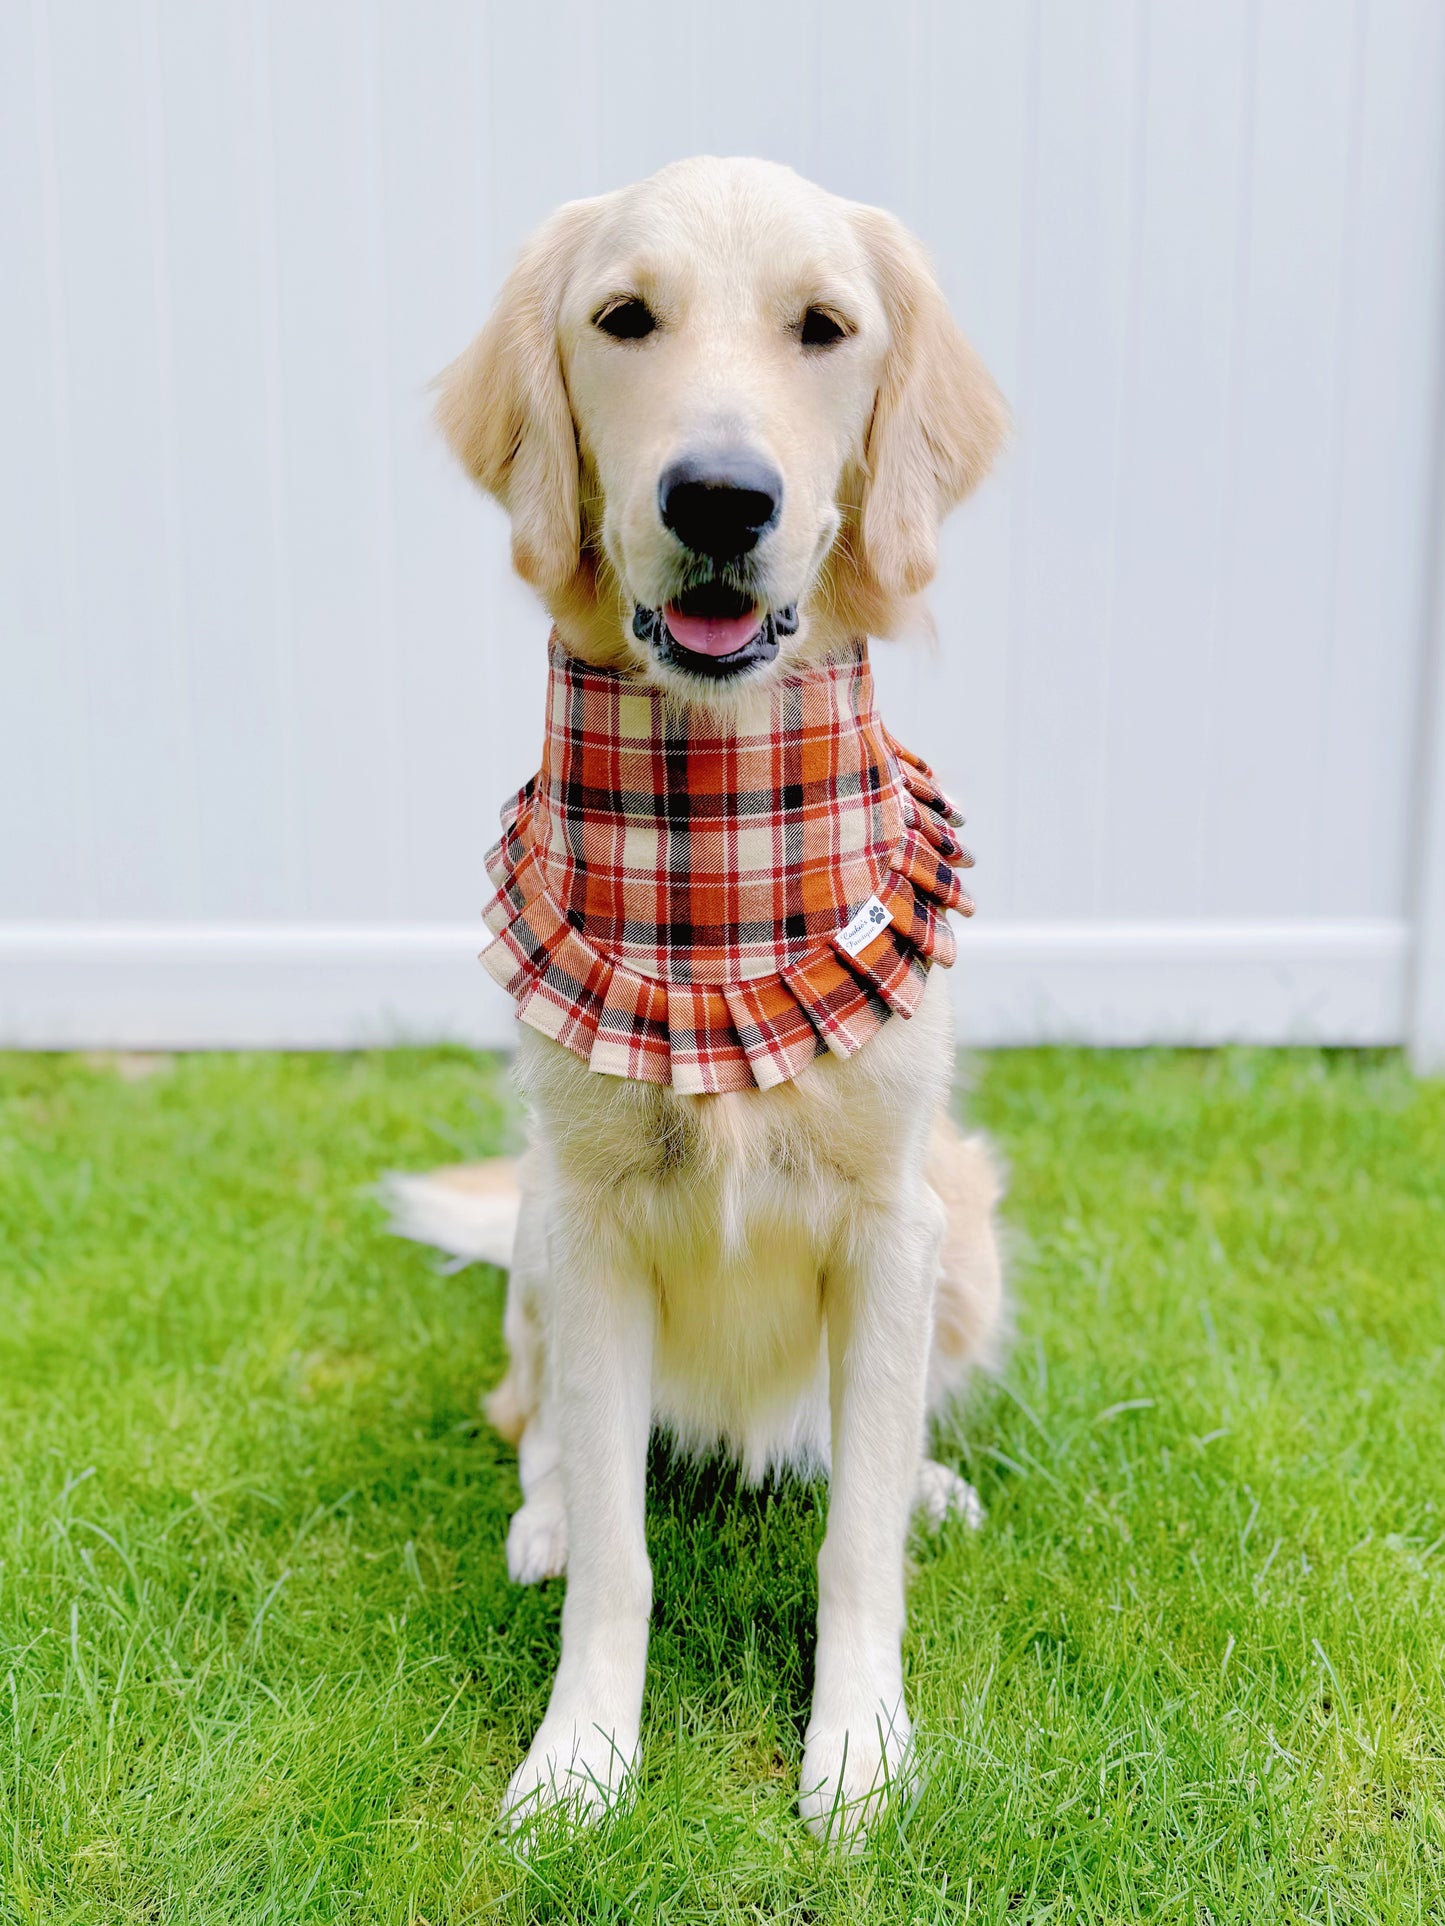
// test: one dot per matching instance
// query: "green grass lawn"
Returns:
(259, 1659)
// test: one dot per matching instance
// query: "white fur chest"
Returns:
(732, 1208)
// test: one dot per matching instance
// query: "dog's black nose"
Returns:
(720, 505)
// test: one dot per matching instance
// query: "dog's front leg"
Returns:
(600, 1357)
(877, 1300)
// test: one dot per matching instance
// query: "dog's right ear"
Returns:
(502, 405)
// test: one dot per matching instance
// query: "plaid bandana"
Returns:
(683, 905)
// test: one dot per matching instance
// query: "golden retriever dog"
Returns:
(803, 1275)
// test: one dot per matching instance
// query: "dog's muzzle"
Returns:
(651, 626)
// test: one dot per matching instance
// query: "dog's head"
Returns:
(725, 411)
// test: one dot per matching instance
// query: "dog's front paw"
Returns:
(577, 1764)
(854, 1763)
(537, 1542)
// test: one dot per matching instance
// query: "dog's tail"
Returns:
(467, 1210)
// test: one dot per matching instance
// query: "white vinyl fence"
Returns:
(263, 676)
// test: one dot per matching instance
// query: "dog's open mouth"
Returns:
(713, 630)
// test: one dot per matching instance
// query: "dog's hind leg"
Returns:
(940, 1494)
(969, 1304)
(969, 1308)
(521, 1411)
(537, 1535)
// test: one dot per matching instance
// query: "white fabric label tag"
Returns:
(861, 928)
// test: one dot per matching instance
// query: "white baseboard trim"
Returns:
(184, 986)
(1124, 984)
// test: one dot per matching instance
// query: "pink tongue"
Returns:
(711, 634)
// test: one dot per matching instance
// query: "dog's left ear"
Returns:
(502, 405)
(938, 421)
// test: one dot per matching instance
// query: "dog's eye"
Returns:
(625, 320)
(819, 329)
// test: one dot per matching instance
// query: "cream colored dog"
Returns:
(801, 1276)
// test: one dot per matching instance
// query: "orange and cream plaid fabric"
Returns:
(682, 904)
